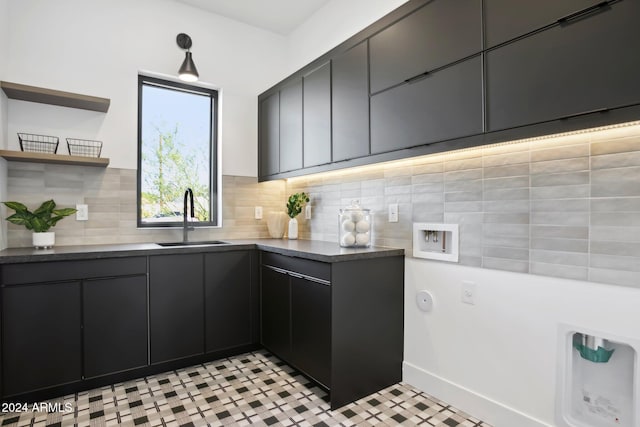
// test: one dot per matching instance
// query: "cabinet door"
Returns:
(508, 19)
(41, 336)
(228, 313)
(587, 64)
(446, 104)
(441, 32)
(176, 308)
(270, 135)
(275, 310)
(317, 116)
(311, 328)
(115, 324)
(291, 127)
(350, 104)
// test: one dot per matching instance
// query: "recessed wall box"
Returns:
(435, 241)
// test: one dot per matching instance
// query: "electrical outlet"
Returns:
(82, 213)
(257, 212)
(307, 212)
(468, 292)
(393, 212)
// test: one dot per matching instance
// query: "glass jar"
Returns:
(355, 226)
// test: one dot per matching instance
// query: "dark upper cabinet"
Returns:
(446, 104)
(228, 300)
(115, 324)
(41, 336)
(311, 328)
(508, 19)
(350, 104)
(275, 308)
(291, 126)
(441, 32)
(317, 116)
(583, 65)
(270, 135)
(176, 308)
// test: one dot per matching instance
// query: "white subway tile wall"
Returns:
(111, 196)
(564, 206)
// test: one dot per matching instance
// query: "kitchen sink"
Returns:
(205, 243)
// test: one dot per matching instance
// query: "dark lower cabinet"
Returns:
(115, 324)
(444, 105)
(176, 307)
(339, 323)
(275, 311)
(229, 300)
(572, 68)
(42, 339)
(311, 328)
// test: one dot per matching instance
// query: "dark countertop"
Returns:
(309, 249)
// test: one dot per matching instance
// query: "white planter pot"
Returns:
(44, 240)
(293, 229)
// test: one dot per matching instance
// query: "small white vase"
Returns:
(293, 229)
(44, 240)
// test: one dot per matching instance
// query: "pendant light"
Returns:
(187, 71)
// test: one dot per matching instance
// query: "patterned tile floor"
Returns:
(250, 389)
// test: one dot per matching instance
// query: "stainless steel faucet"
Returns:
(188, 199)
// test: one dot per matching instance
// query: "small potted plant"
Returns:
(39, 221)
(294, 207)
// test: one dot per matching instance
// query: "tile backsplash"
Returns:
(564, 206)
(111, 196)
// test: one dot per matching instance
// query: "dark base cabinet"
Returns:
(115, 325)
(340, 323)
(42, 339)
(230, 289)
(69, 326)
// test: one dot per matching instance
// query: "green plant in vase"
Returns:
(294, 207)
(40, 221)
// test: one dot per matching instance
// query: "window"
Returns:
(177, 149)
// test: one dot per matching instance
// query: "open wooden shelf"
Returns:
(60, 159)
(55, 97)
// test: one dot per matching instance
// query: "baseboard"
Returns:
(474, 404)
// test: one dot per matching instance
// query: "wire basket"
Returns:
(38, 143)
(84, 147)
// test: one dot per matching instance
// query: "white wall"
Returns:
(4, 47)
(332, 25)
(98, 47)
(497, 359)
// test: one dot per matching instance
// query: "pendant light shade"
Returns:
(188, 71)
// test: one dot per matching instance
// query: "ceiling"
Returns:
(278, 16)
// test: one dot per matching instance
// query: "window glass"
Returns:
(177, 150)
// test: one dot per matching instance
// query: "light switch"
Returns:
(258, 212)
(82, 213)
(393, 212)
(307, 212)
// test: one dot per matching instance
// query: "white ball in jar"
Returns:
(362, 239)
(348, 225)
(362, 226)
(348, 239)
(357, 216)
